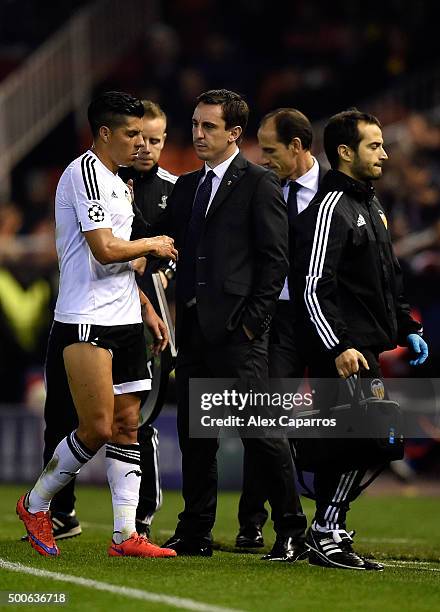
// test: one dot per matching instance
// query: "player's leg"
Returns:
(150, 491)
(122, 451)
(90, 379)
(123, 465)
(89, 372)
(124, 475)
(60, 420)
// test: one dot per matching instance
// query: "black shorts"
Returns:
(126, 344)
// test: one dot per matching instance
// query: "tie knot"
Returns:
(294, 187)
(209, 176)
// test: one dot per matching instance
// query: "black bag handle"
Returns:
(357, 393)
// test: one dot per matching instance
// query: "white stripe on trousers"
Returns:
(155, 443)
(332, 513)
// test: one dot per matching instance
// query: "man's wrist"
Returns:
(248, 332)
(340, 348)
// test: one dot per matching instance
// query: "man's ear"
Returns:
(164, 136)
(234, 133)
(104, 133)
(295, 145)
(345, 153)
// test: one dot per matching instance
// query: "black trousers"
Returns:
(150, 491)
(61, 419)
(238, 357)
(284, 362)
(336, 489)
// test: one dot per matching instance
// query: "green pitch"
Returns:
(403, 532)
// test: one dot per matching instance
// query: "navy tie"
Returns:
(292, 202)
(195, 227)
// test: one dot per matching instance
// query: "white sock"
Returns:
(124, 479)
(67, 460)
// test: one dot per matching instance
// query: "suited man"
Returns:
(229, 222)
(285, 139)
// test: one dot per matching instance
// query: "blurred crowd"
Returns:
(280, 54)
(275, 53)
(25, 24)
(410, 191)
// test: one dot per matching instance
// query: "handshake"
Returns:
(162, 247)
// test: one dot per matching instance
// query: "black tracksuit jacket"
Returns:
(348, 282)
(151, 190)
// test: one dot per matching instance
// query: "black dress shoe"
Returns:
(250, 536)
(186, 546)
(287, 550)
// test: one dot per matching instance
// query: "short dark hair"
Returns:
(234, 107)
(343, 128)
(111, 108)
(290, 123)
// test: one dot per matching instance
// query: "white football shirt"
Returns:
(89, 197)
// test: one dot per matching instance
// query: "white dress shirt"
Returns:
(309, 183)
(219, 173)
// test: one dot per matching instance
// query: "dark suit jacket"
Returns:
(242, 257)
(291, 278)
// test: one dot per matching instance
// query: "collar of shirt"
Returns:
(111, 176)
(308, 183)
(310, 179)
(104, 167)
(219, 172)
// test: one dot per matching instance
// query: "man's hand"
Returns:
(131, 188)
(139, 265)
(163, 279)
(157, 328)
(248, 332)
(347, 363)
(162, 246)
(155, 324)
(419, 347)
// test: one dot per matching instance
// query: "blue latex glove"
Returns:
(419, 347)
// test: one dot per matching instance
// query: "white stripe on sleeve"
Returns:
(316, 267)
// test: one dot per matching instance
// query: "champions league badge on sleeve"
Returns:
(96, 213)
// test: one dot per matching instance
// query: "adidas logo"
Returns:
(361, 221)
(114, 195)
